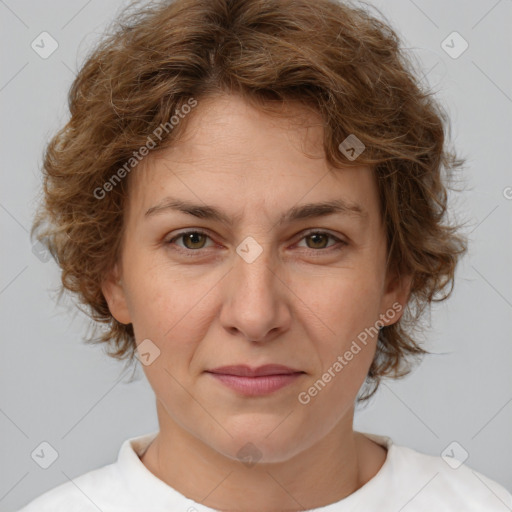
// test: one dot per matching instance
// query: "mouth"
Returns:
(262, 380)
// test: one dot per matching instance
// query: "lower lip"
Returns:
(255, 386)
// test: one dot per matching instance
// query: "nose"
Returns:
(256, 299)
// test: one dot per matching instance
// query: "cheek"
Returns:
(171, 308)
(346, 304)
(345, 343)
(155, 292)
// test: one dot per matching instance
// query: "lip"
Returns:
(250, 381)
(243, 370)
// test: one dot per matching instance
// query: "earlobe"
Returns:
(115, 294)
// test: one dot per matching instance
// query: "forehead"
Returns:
(232, 153)
(232, 127)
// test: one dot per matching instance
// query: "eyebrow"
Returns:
(300, 212)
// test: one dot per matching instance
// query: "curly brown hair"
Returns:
(338, 59)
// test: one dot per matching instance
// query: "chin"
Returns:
(264, 441)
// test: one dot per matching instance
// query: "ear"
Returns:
(396, 295)
(116, 297)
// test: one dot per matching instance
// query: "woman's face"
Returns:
(269, 283)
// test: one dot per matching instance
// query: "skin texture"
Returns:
(300, 303)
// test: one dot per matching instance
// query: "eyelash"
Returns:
(190, 252)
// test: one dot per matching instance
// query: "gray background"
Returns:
(54, 388)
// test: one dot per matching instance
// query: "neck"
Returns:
(338, 465)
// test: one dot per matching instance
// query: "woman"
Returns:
(249, 195)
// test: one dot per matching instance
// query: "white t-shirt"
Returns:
(409, 481)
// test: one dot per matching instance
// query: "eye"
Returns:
(193, 240)
(319, 240)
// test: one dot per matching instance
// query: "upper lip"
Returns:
(248, 371)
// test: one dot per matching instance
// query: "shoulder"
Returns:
(110, 487)
(431, 480)
(89, 492)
